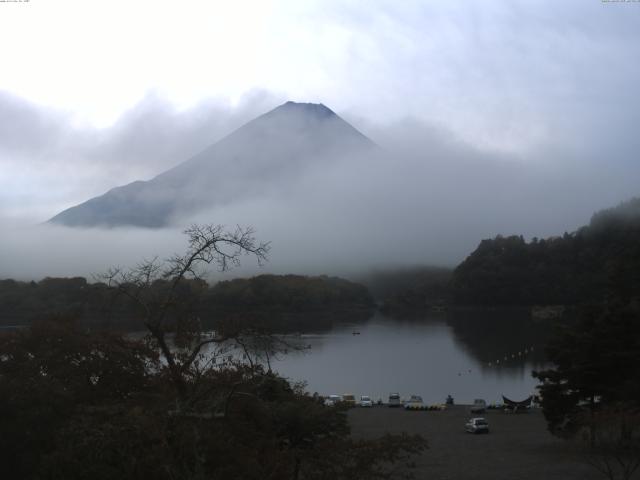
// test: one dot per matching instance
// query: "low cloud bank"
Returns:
(431, 204)
(426, 197)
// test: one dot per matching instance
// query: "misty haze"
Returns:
(331, 199)
(236, 236)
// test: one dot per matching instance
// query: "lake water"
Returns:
(468, 356)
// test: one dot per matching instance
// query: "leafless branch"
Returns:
(207, 244)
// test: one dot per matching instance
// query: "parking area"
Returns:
(517, 447)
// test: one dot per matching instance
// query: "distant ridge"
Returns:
(279, 142)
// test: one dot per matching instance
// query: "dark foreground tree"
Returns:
(53, 371)
(82, 405)
(596, 364)
(165, 293)
(593, 393)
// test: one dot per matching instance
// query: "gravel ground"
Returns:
(518, 447)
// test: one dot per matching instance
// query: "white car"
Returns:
(365, 401)
(477, 425)
(332, 400)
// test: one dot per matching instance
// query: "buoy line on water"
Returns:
(513, 356)
(520, 354)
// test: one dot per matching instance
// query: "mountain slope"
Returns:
(276, 145)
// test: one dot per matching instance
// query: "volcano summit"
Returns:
(279, 144)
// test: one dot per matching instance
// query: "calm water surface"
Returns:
(432, 357)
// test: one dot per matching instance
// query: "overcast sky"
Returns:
(95, 94)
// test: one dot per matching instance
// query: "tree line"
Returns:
(284, 302)
(571, 269)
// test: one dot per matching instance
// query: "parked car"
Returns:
(415, 403)
(479, 406)
(394, 400)
(365, 401)
(332, 400)
(349, 399)
(477, 425)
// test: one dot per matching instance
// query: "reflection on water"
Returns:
(432, 357)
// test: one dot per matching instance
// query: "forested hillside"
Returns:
(289, 292)
(572, 269)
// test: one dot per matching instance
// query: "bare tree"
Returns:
(261, 347)
(163, 292)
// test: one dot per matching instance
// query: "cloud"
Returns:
(429, 202)
(543, 82)
(48, 162)
(35, 251)
(505, 75)
(373, 211)
(428, 196)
